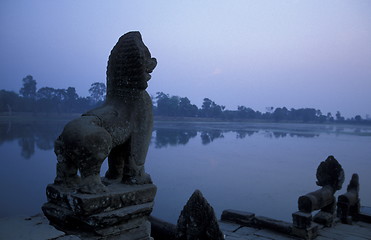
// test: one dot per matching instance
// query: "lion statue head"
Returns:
(129, 65)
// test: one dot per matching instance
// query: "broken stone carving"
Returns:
(348, 206)
(121, 130)
(330, 176)
(197, 220)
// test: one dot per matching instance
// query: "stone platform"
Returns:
(120, 213)
(239, 225)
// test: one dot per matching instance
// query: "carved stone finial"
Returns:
(197, 220)
(330, 172)
(354, 184)
(330, 176)
(349, 203)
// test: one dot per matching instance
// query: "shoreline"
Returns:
(26, 117)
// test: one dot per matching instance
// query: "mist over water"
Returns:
(261, 168)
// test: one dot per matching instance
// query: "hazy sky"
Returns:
(258, 53)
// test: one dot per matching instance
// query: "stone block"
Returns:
(240, 217)
(324, 218)
(119, 214)
(302, 220)
(317, 200)
(161, 229)
(134, 229)
(65, 217)
(273, 224)
(118, 196)
(306, 233)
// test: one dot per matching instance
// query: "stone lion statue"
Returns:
(120, 129)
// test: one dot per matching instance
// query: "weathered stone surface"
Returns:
(118, 196)
(330, 176)
(197, 220)
(68, 237)
(250, 220)
(246, 231)
(118, 207)
(161, 229)
(30, 228)
(135, 225)
(349, 202)
(306, 233)
(331, 173)
(357, 231)
(324, 218)
(120, 129)
(240, 217)
(228, 226)
(301, 219)
(273, 224)
(119, 221)
(316, 200)
(117, 216)
(63, 216)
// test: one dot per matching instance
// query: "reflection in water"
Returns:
(235, 151)
(209, 136)
(27, 145)
(42, 134)
(173, 137)
(277, 134)
(241, 134)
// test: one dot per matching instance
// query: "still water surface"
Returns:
(261, 168)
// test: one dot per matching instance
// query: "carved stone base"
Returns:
(325, 218)
(306, 233)
(120, 213)
(301, 219)
(303, 226)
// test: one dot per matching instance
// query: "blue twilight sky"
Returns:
(257, 53)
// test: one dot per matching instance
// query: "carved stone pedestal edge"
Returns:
(325, 218)
(119, 214)
(306, 233)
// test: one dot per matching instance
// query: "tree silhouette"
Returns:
(71, 94)
(29, 87)
(211, 109)
(339, 117)
(97, 91)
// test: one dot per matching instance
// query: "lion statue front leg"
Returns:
(126, 161)
(134, 172)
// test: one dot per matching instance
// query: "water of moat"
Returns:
(256, 167)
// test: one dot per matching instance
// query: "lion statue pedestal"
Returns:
(118, 205)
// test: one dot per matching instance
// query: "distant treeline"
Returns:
(51, 100)
(175, 106)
